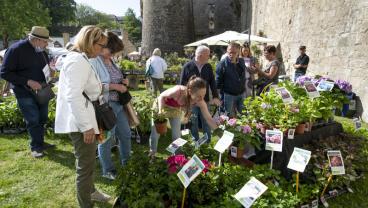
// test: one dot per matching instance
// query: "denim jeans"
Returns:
(298, 74)
(230, 101)
(35, 116)
(196, 113)
(122, 132)
(175, 133)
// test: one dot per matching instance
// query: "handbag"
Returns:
(105, 116)
(44, 95)
(149, 70)
(132, 115)
(124, 98)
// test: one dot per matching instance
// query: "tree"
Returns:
(60, 11)
(17, 17)
(133, 26)
(86, 15)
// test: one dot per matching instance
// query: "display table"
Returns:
(281, 159)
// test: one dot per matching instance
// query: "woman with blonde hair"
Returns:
(75, 115)
(251, 64)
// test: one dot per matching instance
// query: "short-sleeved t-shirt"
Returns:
(268, 67)
(303, 60)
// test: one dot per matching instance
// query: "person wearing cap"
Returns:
(159, 67)
(22, 68)
(301, 63)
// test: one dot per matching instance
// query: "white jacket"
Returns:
(159, 66)
(73, 112)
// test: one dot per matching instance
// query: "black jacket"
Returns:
(190, 69)
(230, 78)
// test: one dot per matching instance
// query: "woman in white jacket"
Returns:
(75, 114)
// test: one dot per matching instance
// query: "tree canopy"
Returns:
(18, 17)
(86, 15)
(133, 26)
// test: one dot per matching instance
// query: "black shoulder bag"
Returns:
(105, 116)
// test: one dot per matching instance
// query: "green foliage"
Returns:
(10, 115)
(86, 15)
(174, 62)
(143, 106)
(18, 17)
(61, 12)
(128, 65)
(255, 50)
(133, 26)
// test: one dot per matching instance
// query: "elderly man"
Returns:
(200, 67)
(230, 79)
(22, 68)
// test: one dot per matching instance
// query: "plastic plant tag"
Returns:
(252, 190)
(190, 170)
(225, 141)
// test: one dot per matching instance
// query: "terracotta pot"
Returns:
(239, 152)
(161, 127)
(300, 128)
(147, 85)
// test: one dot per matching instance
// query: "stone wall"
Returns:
(334, 31)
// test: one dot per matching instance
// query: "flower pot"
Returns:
(147, 84)
(308, 126)
(161, 126)
(300, 128)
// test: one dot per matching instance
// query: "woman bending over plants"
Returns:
(172, 102)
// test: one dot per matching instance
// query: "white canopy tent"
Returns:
(228, 36)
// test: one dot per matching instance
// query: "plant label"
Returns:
(234, 151)
(190, 170)
(325, 86)
(299, 159)
(225, 141)
(285, 95)
(176, 145)
(185, 132)
(311, 89)
(352, 105)
(252, 190)
(336, 162)
(291, 133)
(305, 206)
(201, 141)
(274, 140)
(324, 202)
(357, 123)
(315, 203)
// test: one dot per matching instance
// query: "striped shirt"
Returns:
(116, 77)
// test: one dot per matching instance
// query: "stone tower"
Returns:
(171, 24)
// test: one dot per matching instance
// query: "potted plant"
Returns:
(160, 123)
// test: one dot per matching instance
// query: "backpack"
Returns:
(149, 70)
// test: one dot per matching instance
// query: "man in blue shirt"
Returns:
(22, 68)
(301, 63)
(230, 79)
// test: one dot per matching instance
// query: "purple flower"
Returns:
(265, 106)
(344, 85)
(302, 79)
(259, 125)
(224, 118)
(231, 122)
(246, 129)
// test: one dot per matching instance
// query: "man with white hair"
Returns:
(200, 67)
(22, 68)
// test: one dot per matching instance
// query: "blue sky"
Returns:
(116, 7)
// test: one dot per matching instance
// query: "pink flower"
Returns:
(259, 126)
(295, 110)
(223, 118)
(175, 162)
(231, 122)
(246, 129)
(207, 166)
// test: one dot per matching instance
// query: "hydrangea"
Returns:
(302, 79)
(231, 122)
(246, 129)
(344, 85)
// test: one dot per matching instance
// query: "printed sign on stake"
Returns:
(336, 162)
(225, 141)
(274, 140)
(252, 190)
(311, 89)
(176, 145)
(190, 170)
(299, 159)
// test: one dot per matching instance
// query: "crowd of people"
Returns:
(88, 73)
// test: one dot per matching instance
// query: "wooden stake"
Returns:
(328, 182)
(183, 200)
(297, 181)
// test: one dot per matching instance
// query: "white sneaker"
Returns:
(100, 197)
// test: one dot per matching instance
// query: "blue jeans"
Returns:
(122, 132)
(196, 112)
(230, 101)
(175, 133)
(35, 116)
(298, 74)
